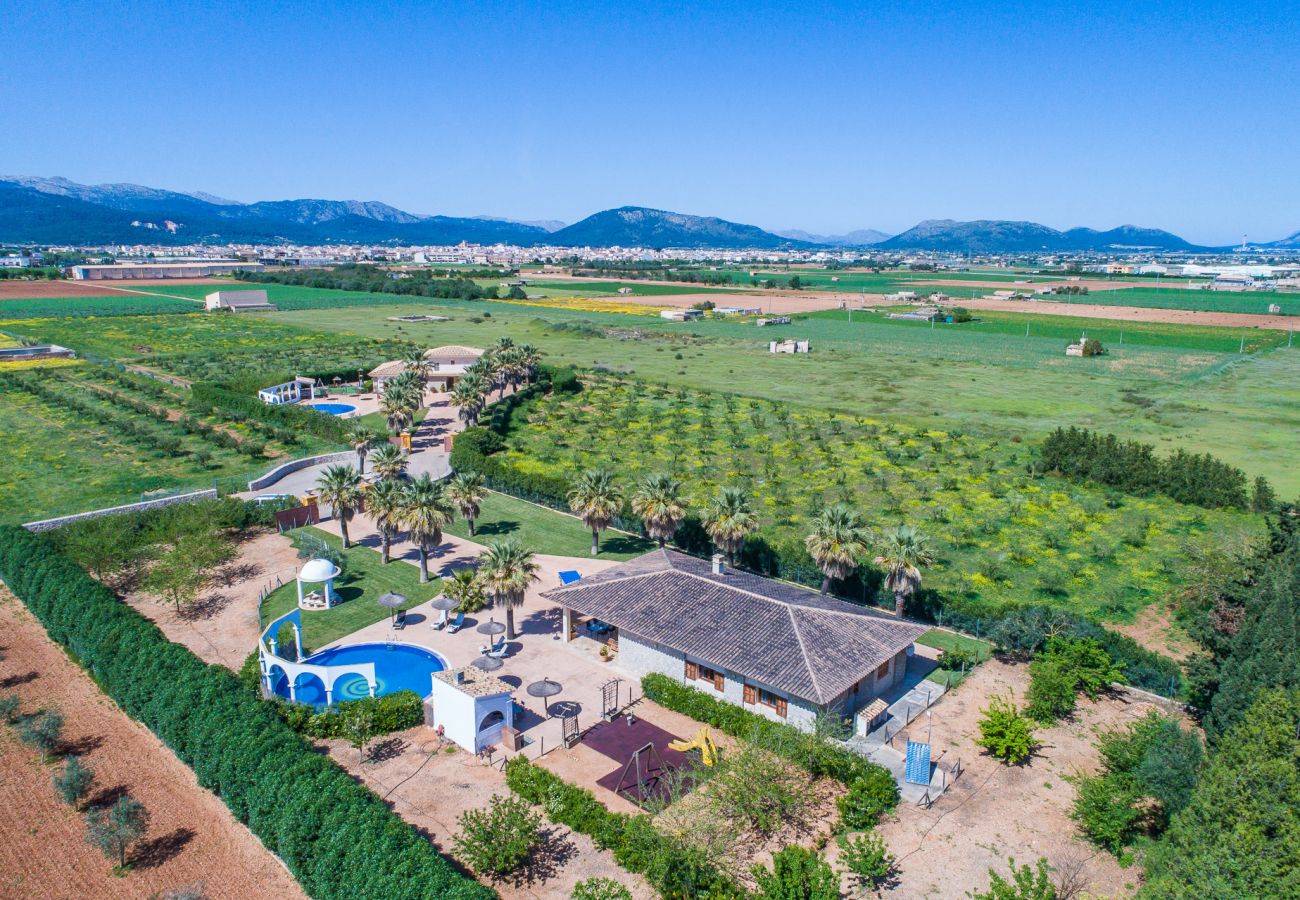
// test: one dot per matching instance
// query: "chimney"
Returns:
(460, 676)
(717, 564)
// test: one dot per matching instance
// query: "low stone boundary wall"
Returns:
(294, 465)
(47, 524)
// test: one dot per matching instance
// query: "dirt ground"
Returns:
(11, 290)
(192, 837)
(1156, 630)
(222, 627)
(994, 811)
(430, 787)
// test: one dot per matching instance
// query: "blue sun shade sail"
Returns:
(918, 763)
(569, 576)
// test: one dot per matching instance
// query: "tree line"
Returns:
(1134, 467)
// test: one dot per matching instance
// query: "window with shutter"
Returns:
(751, 695)
(719, 683)
(781, 707)
(692, 671)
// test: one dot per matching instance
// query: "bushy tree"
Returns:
(43, 730)
(73, 781)
(1239, 834)
(797, 874)
(1006, 732)
(867, 799)
(1051, 693)
(115, 828)
(501, 839)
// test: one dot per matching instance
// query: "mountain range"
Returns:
(59, 211)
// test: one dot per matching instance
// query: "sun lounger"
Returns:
(457, 624)
(497, 648)
(399, 620)
(441, 622)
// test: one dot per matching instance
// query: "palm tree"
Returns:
(596, 499)
(837, 542)
(505, 571)
(339, 487)
(658, 501)
(415, 361)
(530, 356)
(396, 408)
(426, 511)
(466, 491)
(463, 585)
(729, 519)
(468, 395)
(388, 462)
(904, 551)
(386, 504)
(362, 440)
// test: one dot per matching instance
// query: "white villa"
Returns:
(448, 363)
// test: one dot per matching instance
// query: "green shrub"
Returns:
(957, 658)
(338, 838)
(42, 730)
(1005, 732)
(600, 889)
(1051, 693)
(797, 874)
(1025, 884)
(674, 869)
(501, 839)
(9, 708)
(866, 859)
(868, 798)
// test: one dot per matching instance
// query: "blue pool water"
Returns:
(398, 667)
(334, 409)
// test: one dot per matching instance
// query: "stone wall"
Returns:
(294, 465)
(47, 524)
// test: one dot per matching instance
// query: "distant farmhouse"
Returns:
(780, 650)
(789, 346)
(447, 365)
(238, 301)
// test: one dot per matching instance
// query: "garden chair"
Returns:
(457, 624)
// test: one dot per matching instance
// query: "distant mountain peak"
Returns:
(1005, 236)
(644, 226)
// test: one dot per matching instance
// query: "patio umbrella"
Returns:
(445, 603)
(546, 689)
(392, 601)
(491, 626)
(487, 663)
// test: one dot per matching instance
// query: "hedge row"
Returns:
(818, 755)
(337, 837)
(674, 869)
(206, 395)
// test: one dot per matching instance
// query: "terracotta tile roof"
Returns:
(794, 639)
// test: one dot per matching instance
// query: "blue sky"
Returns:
(826, 117)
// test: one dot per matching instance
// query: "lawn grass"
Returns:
(545, 531)
(1256, 302)
(950, 640)
(364, 580)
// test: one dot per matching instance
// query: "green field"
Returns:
(544, 530)
(1245, 410)
(124, 305)
(1000, 534)
(66, 447)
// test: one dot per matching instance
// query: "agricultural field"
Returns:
(1212, 301)
(1000, 534)
(586, 304)
(80, 436)
(598, 287)
(121, 305)
(1243, 409)
(209, 347)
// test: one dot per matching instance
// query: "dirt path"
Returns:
(995, 811)
(192, 837)
(222, 628)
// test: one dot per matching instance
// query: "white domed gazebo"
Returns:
(317, 571)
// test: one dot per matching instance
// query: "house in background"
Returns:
(774, 648)
(789, 346)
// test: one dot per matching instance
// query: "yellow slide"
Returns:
(701, 742)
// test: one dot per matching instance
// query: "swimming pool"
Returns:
(398, 667)
(334, 409)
